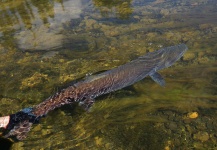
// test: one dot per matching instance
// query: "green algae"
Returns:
(122, 9)
(121, 120)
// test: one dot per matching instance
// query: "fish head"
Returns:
(169, 55)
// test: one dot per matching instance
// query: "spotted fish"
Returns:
(84, 92)
(87, 90)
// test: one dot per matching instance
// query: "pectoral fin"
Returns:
(158, 78)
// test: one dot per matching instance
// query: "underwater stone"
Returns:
(189, 56)
(201, 136)
(192, 115)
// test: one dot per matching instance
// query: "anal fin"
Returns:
(158, 78)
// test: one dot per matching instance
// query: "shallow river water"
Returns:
(44, 45)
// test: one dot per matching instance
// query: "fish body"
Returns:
(87, 90)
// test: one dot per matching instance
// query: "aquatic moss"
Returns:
(35, 80)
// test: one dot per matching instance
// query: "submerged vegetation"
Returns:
(122, 9)
(45, 45)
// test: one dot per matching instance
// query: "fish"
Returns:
(85, 91)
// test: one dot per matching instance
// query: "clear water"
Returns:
(46, 44)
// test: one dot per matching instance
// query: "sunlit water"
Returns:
(46, 44)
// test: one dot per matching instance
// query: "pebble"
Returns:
(98, 140)
(189, 56)
(201, 136)
(192, 115)
(198, 145)
(108, 146)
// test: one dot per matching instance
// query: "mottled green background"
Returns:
(46, 44)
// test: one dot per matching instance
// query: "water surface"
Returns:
(45, 45)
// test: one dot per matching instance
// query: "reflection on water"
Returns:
(39, 24)
(114, 8)
(45, 45)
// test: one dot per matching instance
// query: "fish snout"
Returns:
(171, 54)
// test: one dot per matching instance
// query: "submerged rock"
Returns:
(189, 56)
(201, 136)
(40, 39)
(192, 115)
